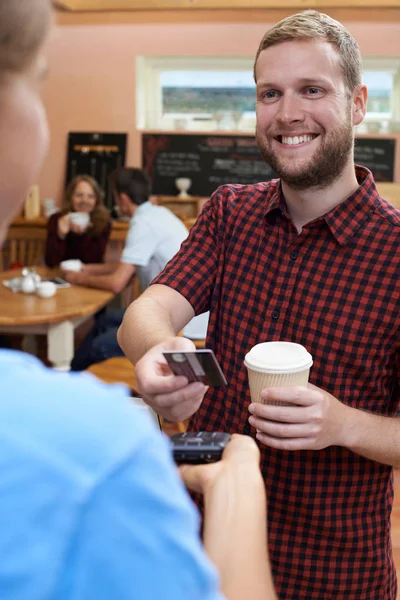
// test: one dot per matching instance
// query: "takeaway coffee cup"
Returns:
(276, 364)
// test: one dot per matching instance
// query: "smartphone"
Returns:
(197, 365)
(198, 448)
(59, 281)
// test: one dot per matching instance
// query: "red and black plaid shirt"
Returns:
(335, 289)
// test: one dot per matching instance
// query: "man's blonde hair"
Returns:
(313, 25)
(23, 27)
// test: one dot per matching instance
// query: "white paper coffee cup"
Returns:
(276, 364)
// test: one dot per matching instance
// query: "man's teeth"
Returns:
(301, 139)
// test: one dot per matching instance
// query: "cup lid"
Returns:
(278, 357)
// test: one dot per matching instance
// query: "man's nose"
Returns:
(290, 109)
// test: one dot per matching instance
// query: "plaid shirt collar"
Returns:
(343, 220)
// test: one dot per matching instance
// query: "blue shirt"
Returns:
(91, 506)
(155, 235)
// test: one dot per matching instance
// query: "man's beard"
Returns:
(325, 166)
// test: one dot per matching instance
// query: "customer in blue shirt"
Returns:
(91, 506)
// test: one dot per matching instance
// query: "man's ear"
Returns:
(125, 198)
(359, 104)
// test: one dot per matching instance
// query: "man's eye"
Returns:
(270, 94)
(312, 91)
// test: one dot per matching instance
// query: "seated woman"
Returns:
(67, 240)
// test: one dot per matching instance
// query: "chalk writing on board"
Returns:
(213, 160)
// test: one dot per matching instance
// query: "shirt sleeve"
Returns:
(194, 269)
(138, 538)
(55, 246)
(140, 245)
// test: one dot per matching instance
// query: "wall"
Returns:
(91, 83)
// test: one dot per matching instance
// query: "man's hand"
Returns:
(90, 269)
(169, 395)
(241, 451)
(74, 277)
(316, 422)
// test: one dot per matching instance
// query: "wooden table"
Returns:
(56, 317)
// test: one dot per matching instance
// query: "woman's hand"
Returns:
(64, 226)
(79, 229)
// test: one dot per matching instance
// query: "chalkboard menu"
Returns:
(212, 160)
(208, 160)
(377, 154)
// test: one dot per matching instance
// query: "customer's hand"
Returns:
(74, 277)
(64, 226)
(78, 229)
(241, 455)
(169, 395)
(316, 420)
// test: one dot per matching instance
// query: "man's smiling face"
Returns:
(304, 112)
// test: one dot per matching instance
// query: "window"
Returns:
(380, 86)
(196, 93)
(207, 95)
(211, 93)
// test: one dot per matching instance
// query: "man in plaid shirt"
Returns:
(312, 258)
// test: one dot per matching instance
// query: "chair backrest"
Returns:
(116, 243)
(120, 370)
(23, 246)
(131, 292)
(189, 221)
(390, 192)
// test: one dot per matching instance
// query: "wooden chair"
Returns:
(390, 192)
(131, 292)
(116, 370)
(24, 246)
(120, 370)
(114, 249)
(200, 344)
(116, 241)
(189, 221)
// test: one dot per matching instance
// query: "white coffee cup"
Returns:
(73, 264)
(81, 219)
(46, 289)
(276, 364)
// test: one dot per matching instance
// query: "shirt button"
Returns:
(294, 255)
(275, 315)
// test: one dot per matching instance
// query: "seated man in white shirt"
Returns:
(154, 236)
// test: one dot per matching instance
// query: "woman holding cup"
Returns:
(82, 228)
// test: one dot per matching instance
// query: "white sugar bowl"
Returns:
(46, 289)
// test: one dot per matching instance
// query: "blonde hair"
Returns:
(24, 25)
(311, 25)
(99, 216)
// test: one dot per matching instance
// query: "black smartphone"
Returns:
(59, 281)
(198, 448)
(198, 365)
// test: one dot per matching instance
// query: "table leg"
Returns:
(29, 344)
(60, 345)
